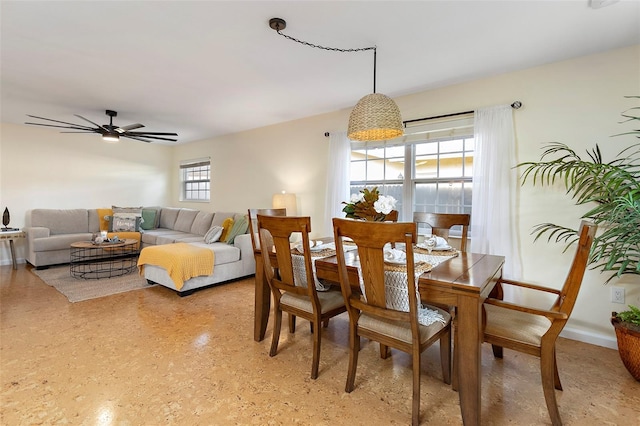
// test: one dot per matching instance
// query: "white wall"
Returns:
(577, 102)
(42, 168)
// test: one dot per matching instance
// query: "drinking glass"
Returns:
(430, 243)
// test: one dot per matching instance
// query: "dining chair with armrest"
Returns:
(376, 313)
(534, 331)
(291, 296)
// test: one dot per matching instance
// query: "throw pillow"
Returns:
(123, 222)
(148, 219)
(213, 234)
(136, 210)
(240, 227)
(103, 218)
(226, 227)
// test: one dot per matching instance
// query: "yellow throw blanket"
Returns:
(181, 261)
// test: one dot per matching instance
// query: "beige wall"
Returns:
(577, 102)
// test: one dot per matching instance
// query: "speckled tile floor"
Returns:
(149, 357)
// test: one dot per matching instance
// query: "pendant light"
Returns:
(376, 116)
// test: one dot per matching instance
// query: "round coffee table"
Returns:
(105, 260)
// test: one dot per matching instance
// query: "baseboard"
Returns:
(589, 337)
(8, 262)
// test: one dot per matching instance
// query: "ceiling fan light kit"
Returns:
(109, 132)
(376, 116)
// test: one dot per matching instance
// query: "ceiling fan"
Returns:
(109, 132)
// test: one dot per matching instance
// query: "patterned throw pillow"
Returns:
(213, 234)
(121, 222)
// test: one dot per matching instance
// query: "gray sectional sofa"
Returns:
(51, 231)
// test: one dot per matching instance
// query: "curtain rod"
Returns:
(514, 105)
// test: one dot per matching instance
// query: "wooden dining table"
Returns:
(463, 281)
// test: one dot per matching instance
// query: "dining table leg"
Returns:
(469, 357)
(262, 302)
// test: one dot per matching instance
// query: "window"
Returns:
(429, 169)
(196, 180)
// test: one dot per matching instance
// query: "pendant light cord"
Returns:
(278, 25)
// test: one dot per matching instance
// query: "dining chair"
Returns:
(381, 312)
(288, 295)
(260, 297)
(534, 331)
(441, 224)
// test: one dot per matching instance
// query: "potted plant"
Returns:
(627, 326)
(613, 188)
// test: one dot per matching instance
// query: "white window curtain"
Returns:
(493, 215)
(338, 178)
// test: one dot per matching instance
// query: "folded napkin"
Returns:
(314, 245)
(394, 255)
(441, 243)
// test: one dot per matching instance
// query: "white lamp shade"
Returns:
(286, 201)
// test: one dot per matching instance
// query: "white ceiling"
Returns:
(207, 68)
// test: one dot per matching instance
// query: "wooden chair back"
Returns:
(253, 222)
(275, 235)
(566, 300)
(441, 224)
(371, 237)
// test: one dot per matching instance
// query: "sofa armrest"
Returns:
(34, 232)
(243, 242)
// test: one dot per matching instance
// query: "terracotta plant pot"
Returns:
(628, 345)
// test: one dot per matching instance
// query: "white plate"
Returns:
(396, 262)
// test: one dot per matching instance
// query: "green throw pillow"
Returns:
(149, 219)
(240, 227)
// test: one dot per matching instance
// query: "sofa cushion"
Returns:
(201, 223)
(223, 253)
(168, 216)
(59, 242)
(185, 219)
(220, 217)
(150, 237)
(61, 221)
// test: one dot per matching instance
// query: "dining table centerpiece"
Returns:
(369, 205)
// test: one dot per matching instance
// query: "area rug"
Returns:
(77, 290)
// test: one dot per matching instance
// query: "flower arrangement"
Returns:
(369, 205)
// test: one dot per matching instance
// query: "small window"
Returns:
(196, 180)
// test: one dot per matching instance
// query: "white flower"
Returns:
(356, 198)
(384, 204)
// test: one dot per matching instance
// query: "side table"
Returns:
(12, 235)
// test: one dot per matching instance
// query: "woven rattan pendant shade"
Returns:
(375, 117)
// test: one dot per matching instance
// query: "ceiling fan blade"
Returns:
(56, 121)
(95, 124)
(129, 127)
(136, 138)
(129, 135)
(152, 133)
(88, 129)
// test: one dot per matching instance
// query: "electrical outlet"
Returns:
(617, 294)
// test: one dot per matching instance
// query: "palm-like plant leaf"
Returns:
(613, 186)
